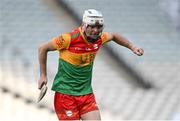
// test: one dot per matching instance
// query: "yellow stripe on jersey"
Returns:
(104, 37)
(76, 58)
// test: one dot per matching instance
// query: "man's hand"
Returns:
(137, 51)
(41, 81)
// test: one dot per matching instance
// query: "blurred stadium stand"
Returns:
(26, 24)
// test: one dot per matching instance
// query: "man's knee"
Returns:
(93, 115)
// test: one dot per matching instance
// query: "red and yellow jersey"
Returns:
(76, 57)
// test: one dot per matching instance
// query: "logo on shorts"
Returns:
(69, 113)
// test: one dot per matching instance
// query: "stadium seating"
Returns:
(26, 24)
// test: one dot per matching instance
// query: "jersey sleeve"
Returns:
(62, 41)
(105, 37)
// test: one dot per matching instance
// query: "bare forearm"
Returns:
(122, 41)
(126, 43)
(42, 54)
(42, 60)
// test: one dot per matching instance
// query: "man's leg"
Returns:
(92, 115)
(65, 107)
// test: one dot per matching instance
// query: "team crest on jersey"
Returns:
(95, 46)
(69, 113)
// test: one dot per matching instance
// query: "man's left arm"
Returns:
(126, 43)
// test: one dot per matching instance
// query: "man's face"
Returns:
(93, 31)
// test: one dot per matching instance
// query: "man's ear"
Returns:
(83, 26)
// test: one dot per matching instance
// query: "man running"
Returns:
(74, 98)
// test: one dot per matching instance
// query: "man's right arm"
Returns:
(57, 43)
(42, 55)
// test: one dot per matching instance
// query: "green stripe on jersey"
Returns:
(75, 35)
(73, 79)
